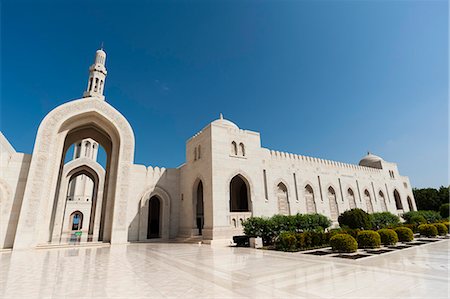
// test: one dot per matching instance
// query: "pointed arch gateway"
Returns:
(63, 126)
(239, 194)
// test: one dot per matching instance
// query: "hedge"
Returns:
(388, 236)
(270, 228)
(384, 219)
(355, 218)
(404, 234)
(441, 229)
(368, 239)
(430, 216)
(427, 230)
(343, 243)
(290, 241)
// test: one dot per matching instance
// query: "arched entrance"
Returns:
(154, 221)
(410, 203)
(383, 201)
(351, 198)
(239, 195)
(199, 210)
(76, 220)
(398, 200)
(310, 202)
(368, 200)
(334, 210)
(283, 200)
(62, 127)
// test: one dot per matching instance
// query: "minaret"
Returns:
(97, 75)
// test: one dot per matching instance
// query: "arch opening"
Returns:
(351, 198)
(154, 218)
(239, 195)
(398, 200)
(368, 200)
(310, 200)
(410, 203)
(199, 208)
(334, 210)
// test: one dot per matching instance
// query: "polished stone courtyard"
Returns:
(199, 271)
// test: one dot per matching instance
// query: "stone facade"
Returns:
(227, 177)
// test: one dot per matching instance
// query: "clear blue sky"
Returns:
(329, 79)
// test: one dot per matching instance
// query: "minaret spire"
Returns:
(97, 75)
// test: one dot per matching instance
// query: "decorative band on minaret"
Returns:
(97, 75)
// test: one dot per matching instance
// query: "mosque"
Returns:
(53, 196)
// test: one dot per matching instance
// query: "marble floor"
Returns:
(199, 271)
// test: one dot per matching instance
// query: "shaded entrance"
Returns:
(239, 199)
(199, 211)
(154, 212)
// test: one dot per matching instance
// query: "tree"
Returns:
(428, 199)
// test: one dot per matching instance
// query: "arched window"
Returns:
(398, 200)
(101, 86)
(283, 200)
(234, 150)
(309, 198)
(154, 212)
(334, 210)
(368, 201)
(242, 148)
(351, 198)
(77, 220)
(383, 201)
(96, 85)
(195, 154)
(90, 84)
(199, 152)
(239, 195)
(410, 204)
(87, 149)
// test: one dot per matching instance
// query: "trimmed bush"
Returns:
(447, 224)
(384, 219)
(343, 243)
(417, 220)
(444, 210)
(441, 229)
(427, 230)
(404, 234)
(308, 222)
(412, 227)
(388, 236)
(430, 216)
(286, 241)
(355, 218)
(368, 239)
(258, 227)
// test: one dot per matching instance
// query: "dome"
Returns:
(224, 122)
(371, 160)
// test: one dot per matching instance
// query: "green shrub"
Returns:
(441, 229)
(368, 239)
(388, 236)
(444, 210)
(427, 230)
(447, 224)
(308, 222)
(412, 227)
(286, 241)
(355, 218)
(258, 227)
(343, 243)
(404, 234)
(417, 220)
(384, 219)
(430, 216)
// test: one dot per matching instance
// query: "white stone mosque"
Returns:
(46, 198)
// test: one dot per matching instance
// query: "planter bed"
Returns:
(378, 251)
(352, 256)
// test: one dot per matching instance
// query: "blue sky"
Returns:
(330, 79)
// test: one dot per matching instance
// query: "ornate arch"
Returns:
(53, 136)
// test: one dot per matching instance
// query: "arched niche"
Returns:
(198, 207)
(282, 199)
(398, 200)
(66, 124)
(368, 200)
(310, 200)
(410, 203)
(383, 201)
(332, 199)
(351, 198)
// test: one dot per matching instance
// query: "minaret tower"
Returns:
(97, 75)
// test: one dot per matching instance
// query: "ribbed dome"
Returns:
(371, 160)
(224, 122)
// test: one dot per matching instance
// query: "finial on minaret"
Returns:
(97, 75)
(101, 47)
(221, 116)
